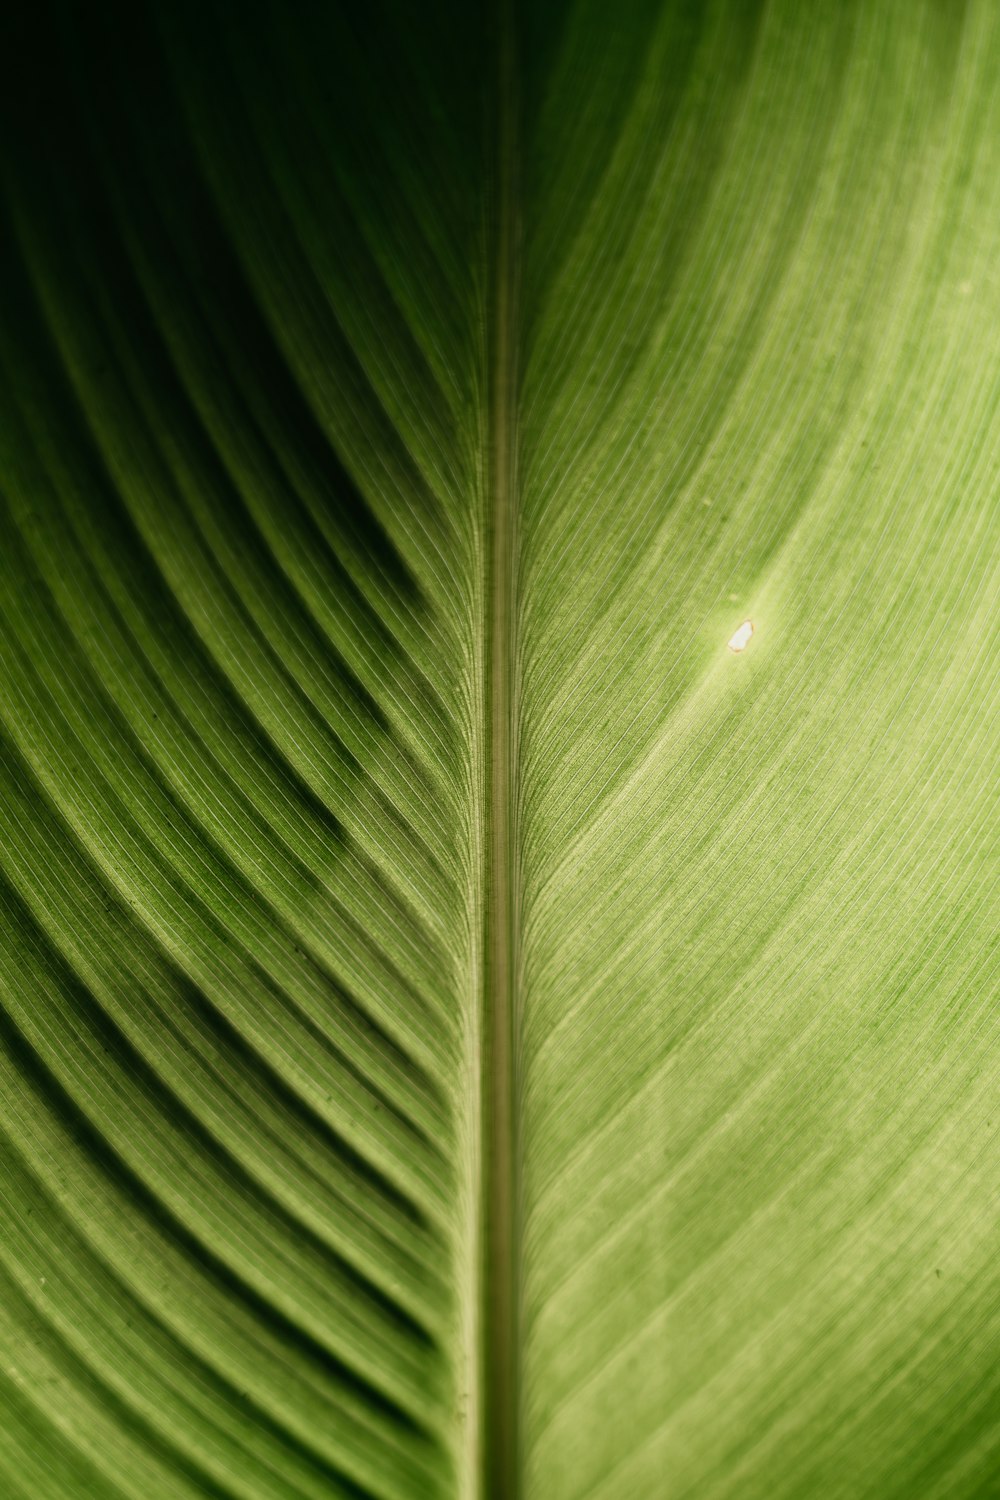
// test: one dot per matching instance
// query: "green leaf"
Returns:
(472, 1022)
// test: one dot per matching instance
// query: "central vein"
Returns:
(500, 999)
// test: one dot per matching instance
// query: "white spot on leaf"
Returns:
(740, 639)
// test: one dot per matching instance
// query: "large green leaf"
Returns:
(465, 1031)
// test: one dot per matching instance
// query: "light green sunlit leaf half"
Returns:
(499, 582)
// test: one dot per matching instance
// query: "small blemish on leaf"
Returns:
(740, 639)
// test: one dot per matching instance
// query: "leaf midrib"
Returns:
(500, 999)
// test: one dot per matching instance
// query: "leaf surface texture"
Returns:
(465, 1031)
